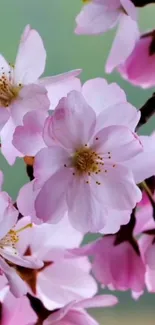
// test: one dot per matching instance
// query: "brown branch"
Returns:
(147, 111)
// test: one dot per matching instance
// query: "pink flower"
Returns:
(117, 266)
(85, 165)
(15, 311)
(21, 91)
(139, 65)
(9, 237)
(74, 312)
(61, 279)
(110, 110)
(98, 16)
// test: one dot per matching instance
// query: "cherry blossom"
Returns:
(9, 236)
(21, 90)
(105, 109)
(85, 158)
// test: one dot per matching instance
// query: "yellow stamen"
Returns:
(8, 91)
(85, 161)
(29, 225)
(10, 239)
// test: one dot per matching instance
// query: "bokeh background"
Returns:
(55, 21)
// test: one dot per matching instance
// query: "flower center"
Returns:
(11, 238)
(85, 160)
(8, 91)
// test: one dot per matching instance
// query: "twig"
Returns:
(147, 111)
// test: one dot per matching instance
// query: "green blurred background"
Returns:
(55, 21)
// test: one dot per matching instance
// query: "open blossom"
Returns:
(60, 279)
(21, 90)
(87, 167)
(112, 109)
(117, 266)
(74, 312)
(98, 16)
(139, 66)
(9, 255)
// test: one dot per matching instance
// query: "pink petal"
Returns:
(127, 273)
(83, 204)
(144, 220)
(130, 9)
(4, 116)
(143, 165)
(96, 19)
(28, 138)
(50, 203)
(74, 316)
(60, 78)
(48, 132)
(59, 86)
(8, 215)
(31, 57)
(47, 162)
(8, 150)
(101, 95)
(119, 141)
(74, 283)
(120, 114)
(124, 42)
(139, 66)
(17, 285)
(32, 97)
(150, 257)
(17, 311)
(54, 237)
(115, 183)
(114, 220)
(59, 314)
(27, 261)
(68, 125)
(26, 199)
(97, 301)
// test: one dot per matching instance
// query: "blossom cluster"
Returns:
(89, 172)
